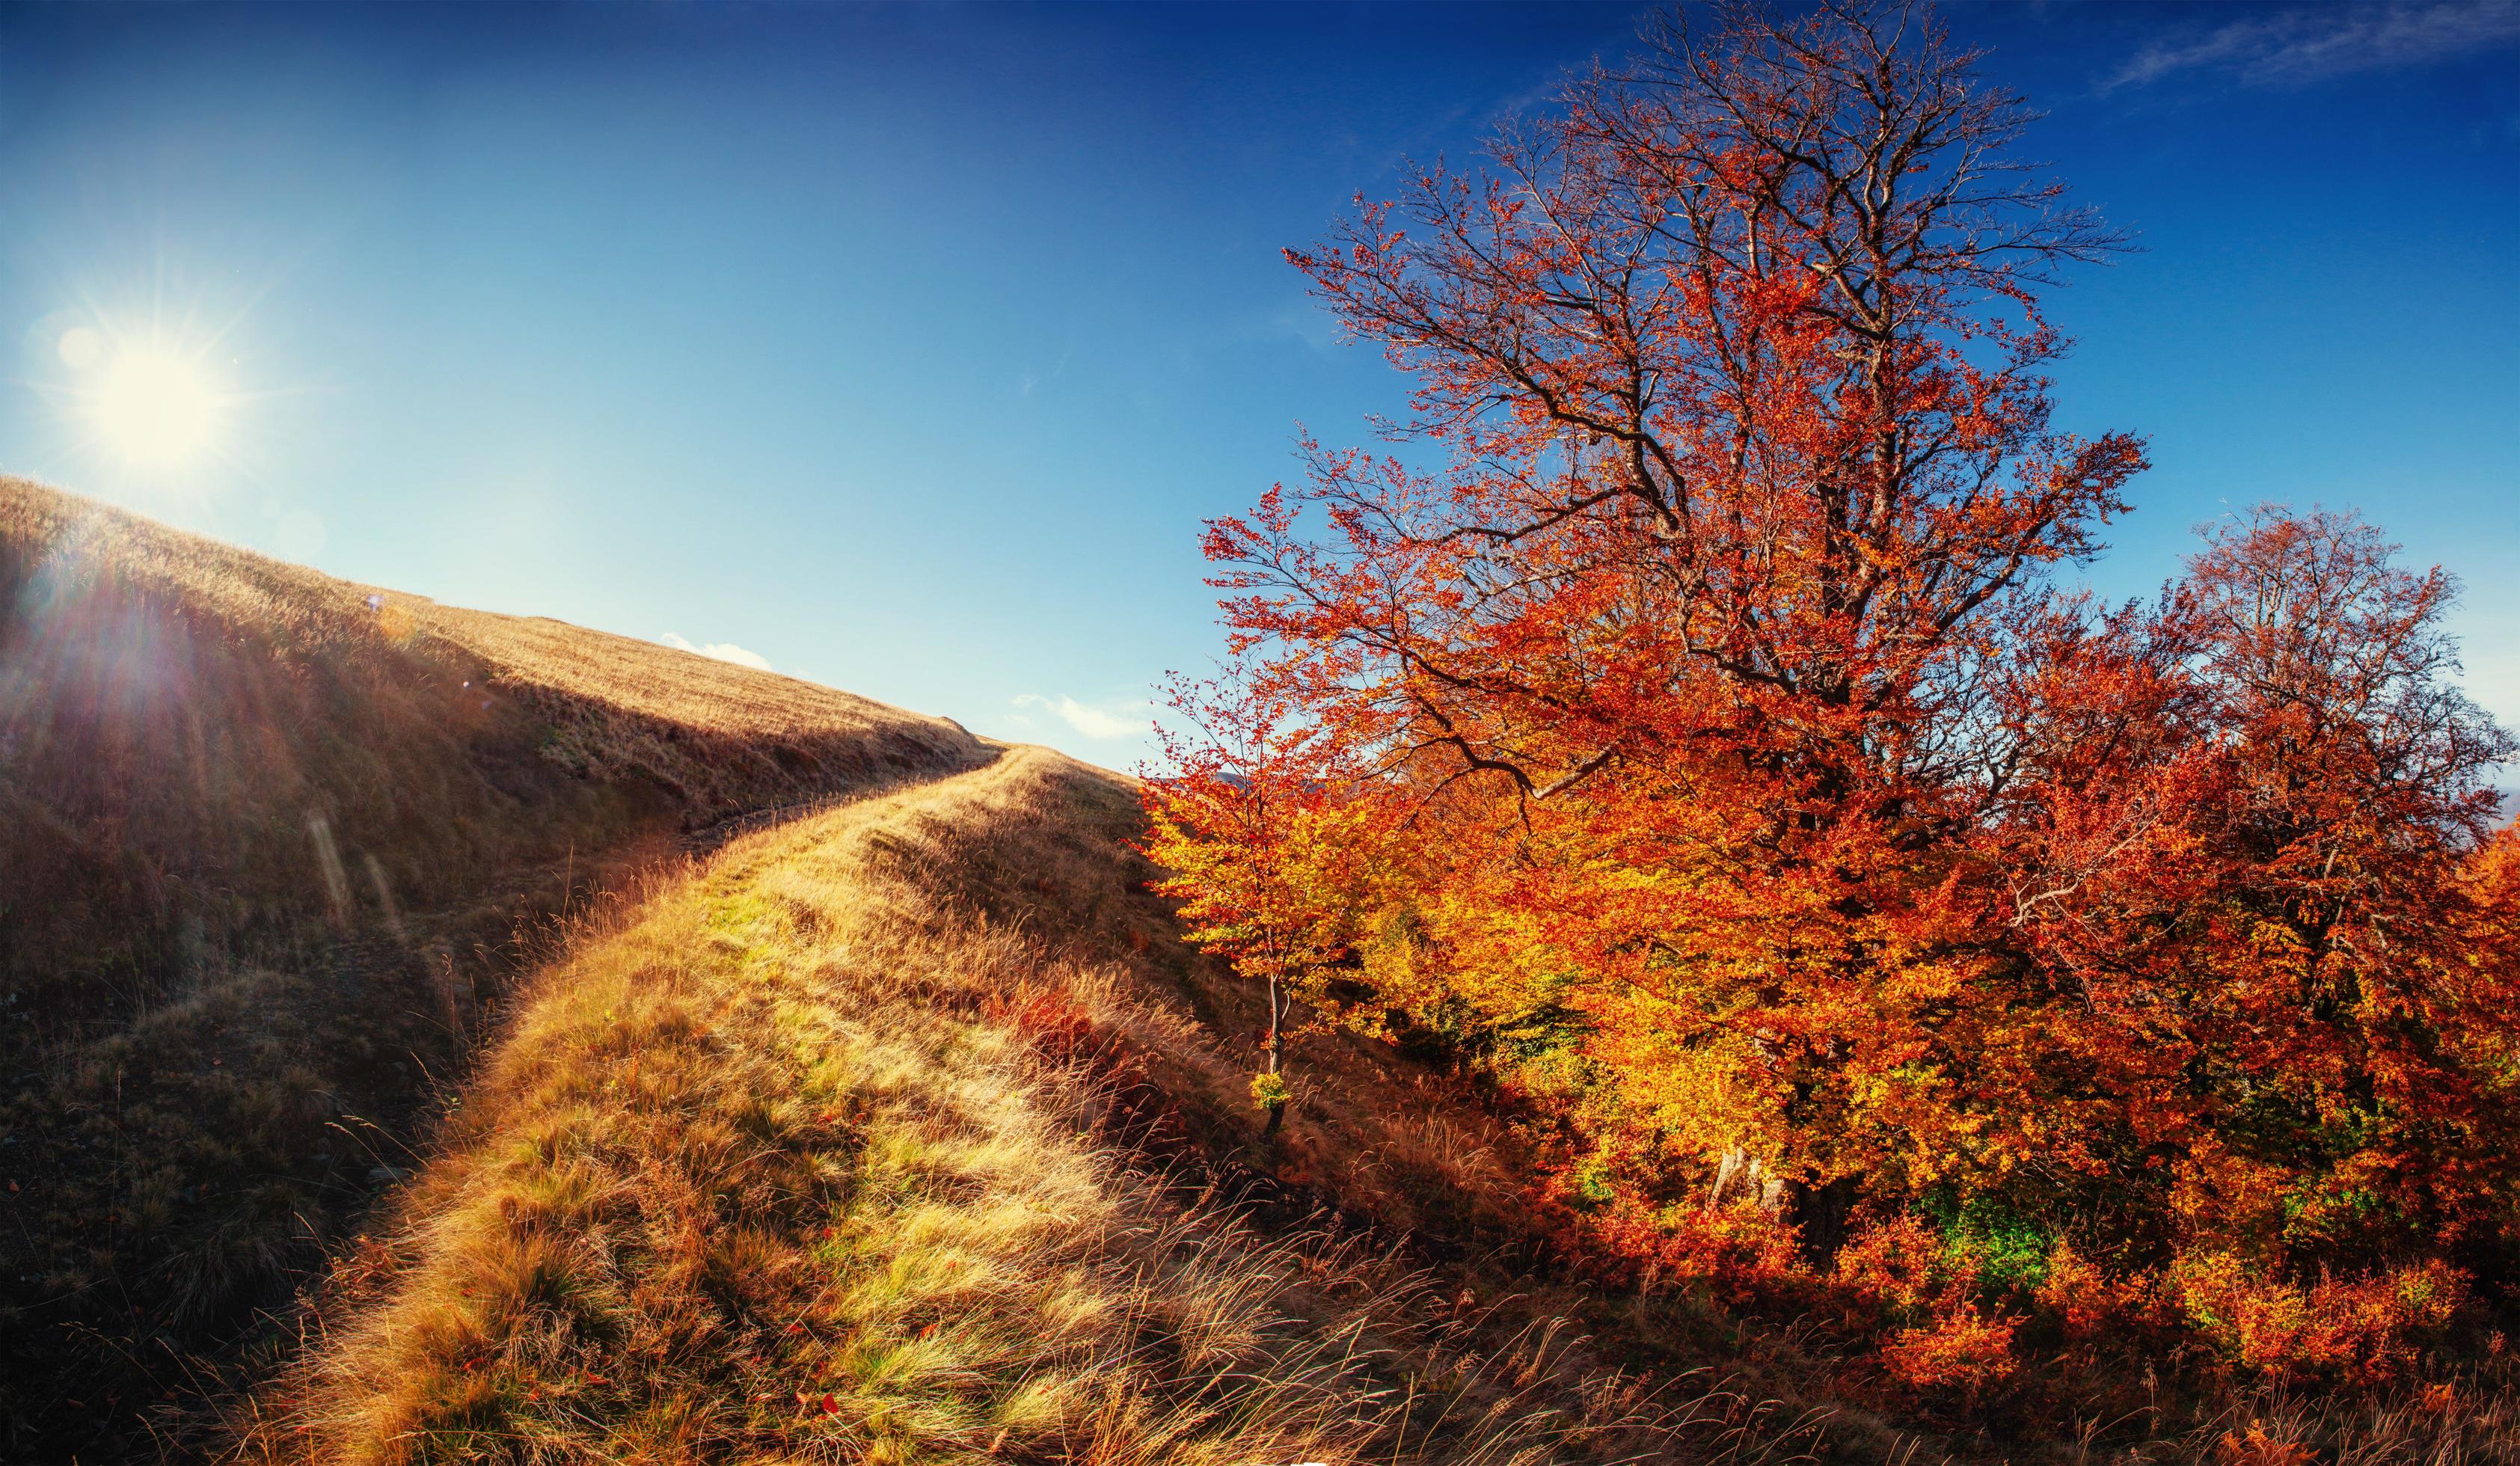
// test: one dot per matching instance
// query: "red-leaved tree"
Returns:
(1713, 752)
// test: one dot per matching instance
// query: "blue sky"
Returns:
(904, 347)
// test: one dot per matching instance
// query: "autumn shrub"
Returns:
(1925, 1293)
(1041, 1014)
(1962, 1350)
(1737, 1254)
(2362, 1328)
(1902, 1269)
(2084, 1302)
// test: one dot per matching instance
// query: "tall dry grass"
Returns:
(721, 739)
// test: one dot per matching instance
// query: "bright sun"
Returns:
(153, 408)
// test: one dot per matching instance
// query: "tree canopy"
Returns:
(1695, 729)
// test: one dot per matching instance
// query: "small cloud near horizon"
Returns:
(723, 651)
(2299, 46)
(1110, 721)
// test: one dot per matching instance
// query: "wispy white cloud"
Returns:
(2297, 46)
(1300, 319)
(1033, 377)
(1111, 720)
(723, 651)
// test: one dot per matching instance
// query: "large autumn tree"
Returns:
(1729, 767)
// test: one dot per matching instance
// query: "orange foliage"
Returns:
(1737, 1254)
(2256, 1447)
(1943, 1340)
(2367, 1327)
(1963, 1351)
(1697, 738)
(1901, 1268)
(2084, 1302)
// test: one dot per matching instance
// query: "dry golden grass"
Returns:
(722, 739)
(771, 1172)
(265, 850)
(106, 587)
(201, 749)
(2476, 1419)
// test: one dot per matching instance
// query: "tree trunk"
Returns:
(1820, 1213)
(1277, 1054)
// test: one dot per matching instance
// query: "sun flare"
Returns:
(152, 407)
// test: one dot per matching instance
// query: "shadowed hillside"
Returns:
(267, 843)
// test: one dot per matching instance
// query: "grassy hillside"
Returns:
(807, 1158)
(267, 844)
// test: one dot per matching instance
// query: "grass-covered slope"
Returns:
(910, 1132)
(800, 1160)
(266, 840)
